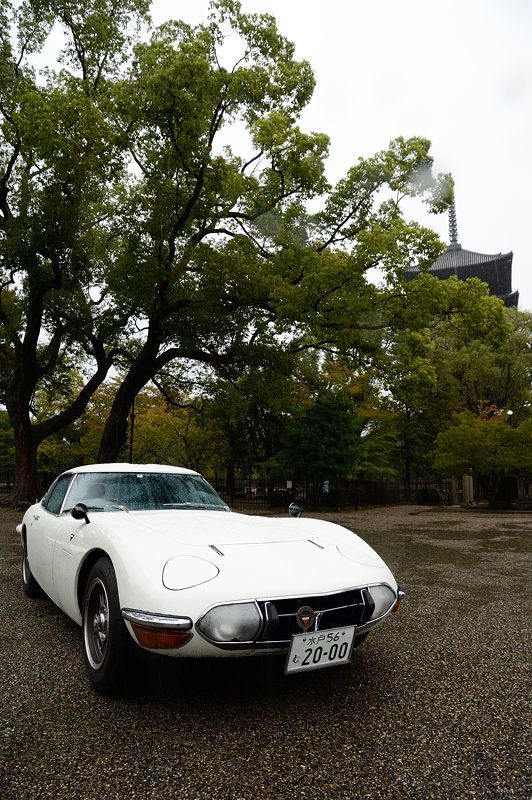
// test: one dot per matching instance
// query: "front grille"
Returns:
(352, 607)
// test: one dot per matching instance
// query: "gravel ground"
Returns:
(436, 703)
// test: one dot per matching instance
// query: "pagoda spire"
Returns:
(453, 228)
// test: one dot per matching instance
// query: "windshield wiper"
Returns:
(100, 508)
(186, 504)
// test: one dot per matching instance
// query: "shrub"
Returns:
(428, 496)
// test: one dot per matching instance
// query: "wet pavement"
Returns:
(436, 703)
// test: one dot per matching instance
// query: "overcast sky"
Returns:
(457, 72)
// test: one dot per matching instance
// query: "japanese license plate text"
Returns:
(320, 649)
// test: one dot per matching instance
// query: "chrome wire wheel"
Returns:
(96, 623)
(105, 636)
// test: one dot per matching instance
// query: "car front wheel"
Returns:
(105, 636)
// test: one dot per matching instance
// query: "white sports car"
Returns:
(151, 555)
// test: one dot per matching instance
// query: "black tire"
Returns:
(105, 636)
(30, 587)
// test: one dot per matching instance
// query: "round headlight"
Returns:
(383, 597)
(238, 622)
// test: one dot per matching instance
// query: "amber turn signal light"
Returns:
(160, 639)
(401, 594)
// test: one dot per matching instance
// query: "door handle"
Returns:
(36, 516)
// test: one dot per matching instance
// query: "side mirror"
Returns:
(295, 510)
(79, 511)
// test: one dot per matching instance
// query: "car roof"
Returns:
(136, 468)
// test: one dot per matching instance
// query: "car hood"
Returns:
(259, 555)
(230, 532)
(183, 562)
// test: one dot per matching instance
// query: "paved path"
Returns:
(436, 703)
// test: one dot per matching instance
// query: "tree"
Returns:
(7, 447)
(490, 448)
(492, 438)
(322, 440)
(217, 248)
(494, 370)
(190, 263)
(131, 235)
(247, 412)
(456, 349)
(59, 159)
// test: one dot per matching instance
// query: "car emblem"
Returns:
(305, 617)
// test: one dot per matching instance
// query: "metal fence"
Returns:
(6, 480)
(430, 492)
(263, 493)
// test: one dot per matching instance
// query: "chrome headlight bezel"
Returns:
(227, 624)
(384, 599)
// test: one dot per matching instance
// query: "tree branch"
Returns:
(332, 238)
(250, 162)
(170, 400)
(69, 415)
(4, 190)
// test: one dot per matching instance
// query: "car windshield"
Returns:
(136, 491)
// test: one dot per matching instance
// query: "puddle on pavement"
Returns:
(437, 523)
(461, 561)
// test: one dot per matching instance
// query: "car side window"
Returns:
(54, 501)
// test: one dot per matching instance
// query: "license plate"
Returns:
(320, 649)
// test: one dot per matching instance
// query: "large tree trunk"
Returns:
(28, 436)
(146, 365)
(26, 486)
(114, 436)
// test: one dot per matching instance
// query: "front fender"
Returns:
(138, 572)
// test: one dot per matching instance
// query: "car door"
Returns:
(66, 556)
(41, 533)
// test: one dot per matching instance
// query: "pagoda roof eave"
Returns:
(456, 256)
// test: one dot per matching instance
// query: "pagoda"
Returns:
(495, 270)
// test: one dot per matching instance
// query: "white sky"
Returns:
(457, 72)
